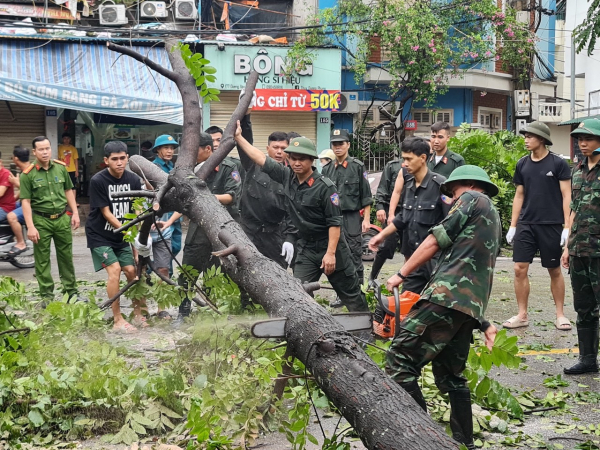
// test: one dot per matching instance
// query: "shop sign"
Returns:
(235, 62)
(410, 125)
(35, 11)
(296, 100)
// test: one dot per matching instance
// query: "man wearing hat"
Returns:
(582, 255)
(539, 220)
(351, 178)
(438, 328)
(314, 209)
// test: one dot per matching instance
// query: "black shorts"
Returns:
(531, 238)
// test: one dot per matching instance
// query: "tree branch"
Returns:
(227, 143)
(144, 60)
(15, 330)
(148, 194)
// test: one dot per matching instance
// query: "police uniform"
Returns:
(45, 188)
(351, 179)
(420, 208)
(439, 327)
(584, 254)
(314, 207)
(447, 164)
(383, 197)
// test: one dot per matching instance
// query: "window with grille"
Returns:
(425, 117)
(422, 117)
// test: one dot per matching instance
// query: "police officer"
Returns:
(226, 184)
(46, 189)
(314, 208)
(422, 206)
(442, 160)
(382, 198)
(438, 328)
(582, 254)
(350, 176)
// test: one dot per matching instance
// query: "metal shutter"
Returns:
(264, 122)
(28, 122)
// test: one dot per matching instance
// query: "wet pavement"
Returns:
(545, 349)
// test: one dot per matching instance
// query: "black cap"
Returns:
(339, 136)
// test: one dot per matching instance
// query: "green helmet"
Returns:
(539, 129)
(588, 126)
(469, 172)
(302, 146)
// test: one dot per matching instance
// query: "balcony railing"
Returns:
(551, 112)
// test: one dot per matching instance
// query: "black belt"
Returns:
(50, 216)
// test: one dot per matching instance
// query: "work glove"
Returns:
(564, 237)
(511, 235)
(287, 250)
(253, 102)
(143, 250)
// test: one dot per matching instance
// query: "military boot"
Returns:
(375, 269)
(185, 309)
(588, 351)
(461, 417)
(413, 389)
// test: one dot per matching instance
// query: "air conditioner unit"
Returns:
(186, 9)
(154, 9)
(349, 102)
(111, 14)
(521, 125)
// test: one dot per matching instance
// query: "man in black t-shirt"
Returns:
(109, 251)
(539, 220)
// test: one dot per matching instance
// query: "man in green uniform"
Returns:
(351, 179)
(442, 160)
(438, 328)
(582, 254)
(226, 184)
(314, 209)
(46, 189)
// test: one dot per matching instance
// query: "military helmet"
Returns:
(473, 173)
(164, 139)
(302, 146)
(588, 126)
(539, 129)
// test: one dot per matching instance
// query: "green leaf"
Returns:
(36, 418)
(209, 70)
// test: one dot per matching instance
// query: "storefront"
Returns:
(302, 103)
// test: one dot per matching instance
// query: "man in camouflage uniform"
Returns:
(438, 328)
(314, 209)
(351, 179)
(582, 254)
(225, 183)
(442, 160)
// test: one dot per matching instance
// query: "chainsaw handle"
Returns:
(397, 311)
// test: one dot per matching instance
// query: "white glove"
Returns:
(511, 235)
(564, 237)
(253, 101)
(143, 250)
(287, 250)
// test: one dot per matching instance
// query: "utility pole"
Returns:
(572, 75)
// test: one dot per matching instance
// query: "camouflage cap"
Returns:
(469, 173)
(302, 146)
(588, 126)
(539, 129)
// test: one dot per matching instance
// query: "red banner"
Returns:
(296, 100)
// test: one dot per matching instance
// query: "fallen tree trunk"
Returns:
(381, 412)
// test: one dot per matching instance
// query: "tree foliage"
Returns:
(587, 32)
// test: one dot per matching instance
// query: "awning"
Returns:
(578, 120)
(88, 77)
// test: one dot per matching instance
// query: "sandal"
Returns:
(126, 328)
(15, 251)
(515, 322)
(164, 315)
(563, 324)
(140, 321)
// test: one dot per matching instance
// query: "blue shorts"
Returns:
(19, 213)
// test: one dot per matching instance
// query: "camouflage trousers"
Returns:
(432, 333)
(585, 280)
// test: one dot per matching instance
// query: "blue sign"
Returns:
(51, 113)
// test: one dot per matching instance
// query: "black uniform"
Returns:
(351, 180)
(420, 208)
(314, 207)
(383, 197)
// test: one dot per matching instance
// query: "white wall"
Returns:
(560, 139)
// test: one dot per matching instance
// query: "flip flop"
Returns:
(515, 322)
(563, 324)
(164, 315)
(126, 328)
(15, 251)
(140, 322)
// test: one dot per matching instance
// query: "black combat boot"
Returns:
(376, 268)
(588, 351)
(185, 309)
(461, 417)
(413, 389)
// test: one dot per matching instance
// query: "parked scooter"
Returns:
(23, 260)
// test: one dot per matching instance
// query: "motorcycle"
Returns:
(23, 260)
